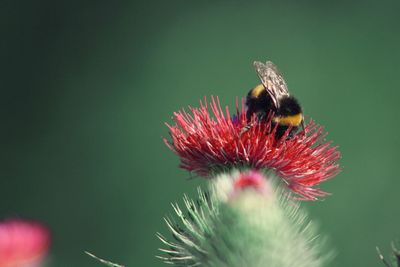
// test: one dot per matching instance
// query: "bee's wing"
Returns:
(272, 80)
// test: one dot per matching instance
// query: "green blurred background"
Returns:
(87, 86)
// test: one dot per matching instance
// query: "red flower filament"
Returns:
(207, 143)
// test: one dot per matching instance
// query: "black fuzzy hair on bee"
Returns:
(289, 106)
(272, 95)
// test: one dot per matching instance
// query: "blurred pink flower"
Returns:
(207, 143)
(23, 243)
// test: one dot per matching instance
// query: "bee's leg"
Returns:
(260, 117)
(245, 129)
(303, 127)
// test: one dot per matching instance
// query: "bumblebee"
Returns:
(273, 95)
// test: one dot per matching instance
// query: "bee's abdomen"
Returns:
(289, 112)
(288, 106)
(293, 120)
(288, 115)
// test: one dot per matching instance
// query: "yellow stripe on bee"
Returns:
(257, 90)
(293, 120)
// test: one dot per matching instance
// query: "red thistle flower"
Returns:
(22, 243)
(207, 143)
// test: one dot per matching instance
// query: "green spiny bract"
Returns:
(241, 226)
